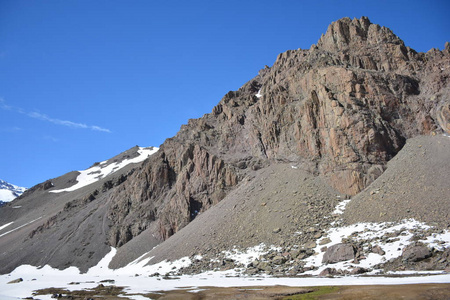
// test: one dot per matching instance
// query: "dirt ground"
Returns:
(368, 292)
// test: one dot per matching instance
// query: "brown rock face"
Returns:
(341, 109)
(171, 188)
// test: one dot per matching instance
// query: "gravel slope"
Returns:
(271, 206)
(414, 185)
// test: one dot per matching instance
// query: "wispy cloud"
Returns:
(50, 138)
(44, 117)
(11, 129)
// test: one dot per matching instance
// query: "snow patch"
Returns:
(401, 237)
(104, 169)
(250, 254)
(259, 95)
(6, 225)
(18, 227)
(339, 209)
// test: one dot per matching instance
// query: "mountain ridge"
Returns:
(337, 112)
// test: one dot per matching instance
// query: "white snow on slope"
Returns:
(17, 227)
(140, 279)
(339, 209)
(250, 254)
(375, 231)
(104, 169)
(7, 195)
(9, 192)
(259, 95)
(6, 225)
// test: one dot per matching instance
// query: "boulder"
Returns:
(329, 272)
(15, 280)
(339, 252)
(377, 249)
(414, 253)
(278, 260)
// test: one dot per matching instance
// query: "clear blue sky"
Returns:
(81, 81)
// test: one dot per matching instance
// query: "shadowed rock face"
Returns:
(340, 110)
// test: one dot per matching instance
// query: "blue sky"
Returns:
(82, 81)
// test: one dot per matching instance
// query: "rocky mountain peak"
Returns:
(346, 33)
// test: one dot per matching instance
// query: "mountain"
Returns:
(269, 165)
(9, 192)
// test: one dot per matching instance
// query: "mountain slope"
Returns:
(65, 228)
(413, 186)
(337, 112)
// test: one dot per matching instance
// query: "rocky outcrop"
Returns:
(341, 109)
(172, 188)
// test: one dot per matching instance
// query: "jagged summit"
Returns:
(346, 33)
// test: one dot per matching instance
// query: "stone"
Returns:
(377, 249)
(15, 281)
(339, 252)
(328, 272)
(278, 260)
(325, 241)
(310, 245)
(359, 270)
(415, 253)
(264, 266)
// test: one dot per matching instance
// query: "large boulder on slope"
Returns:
(339, 252)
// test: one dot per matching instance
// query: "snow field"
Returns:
(103, 169)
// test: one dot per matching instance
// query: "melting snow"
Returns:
(6, 225)
(339, 209)
(17, 227)
(103, 169)
(258, 95)
(252, 253)
(137, 279)
(374, 231)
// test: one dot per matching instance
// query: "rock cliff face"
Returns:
(341, 109)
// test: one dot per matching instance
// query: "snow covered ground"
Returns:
(138, 280)
(104, 169)
(7, 195)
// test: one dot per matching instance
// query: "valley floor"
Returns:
(140, 287)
